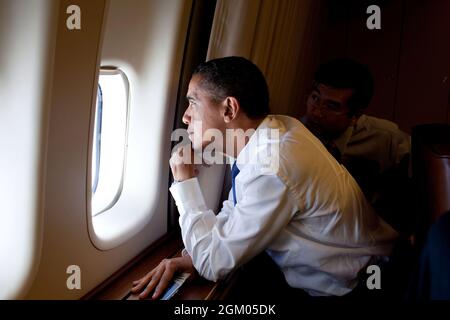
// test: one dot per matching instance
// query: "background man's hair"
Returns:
(239, 78)
(344, 73)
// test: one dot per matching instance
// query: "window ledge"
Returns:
(118, 286)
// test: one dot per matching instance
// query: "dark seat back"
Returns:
(431, 172)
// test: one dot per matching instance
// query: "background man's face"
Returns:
(327, 111)
(201, 115)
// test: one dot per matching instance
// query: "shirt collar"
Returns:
(261, 138)
(342, 141)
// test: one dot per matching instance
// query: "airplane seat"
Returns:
(431, 279)
(430, 160)
(431, 175)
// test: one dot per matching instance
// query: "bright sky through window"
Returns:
(109, 145)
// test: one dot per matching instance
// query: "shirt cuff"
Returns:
(188, 196)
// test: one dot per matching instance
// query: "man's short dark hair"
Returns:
(344, 73)
(239, 78)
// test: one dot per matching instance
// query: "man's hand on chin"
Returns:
(182, 164)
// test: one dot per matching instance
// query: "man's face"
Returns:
(202, 115)
(327, 113)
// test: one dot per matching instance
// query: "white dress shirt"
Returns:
(309, 215)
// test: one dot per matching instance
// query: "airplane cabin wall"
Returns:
(27, 39)
(161, 29)
(408, 56)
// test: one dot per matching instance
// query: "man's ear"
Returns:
(231, 109)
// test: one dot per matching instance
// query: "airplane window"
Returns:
(109, 141)
(97, 141)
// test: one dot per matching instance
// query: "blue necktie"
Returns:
(234, 173)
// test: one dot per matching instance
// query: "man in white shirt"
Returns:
(302, 206)
(375, 151)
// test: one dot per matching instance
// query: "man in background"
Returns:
(375, 151)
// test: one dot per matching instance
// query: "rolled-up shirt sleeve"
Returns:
(219, 243)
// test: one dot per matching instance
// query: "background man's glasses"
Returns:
(325, 107)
